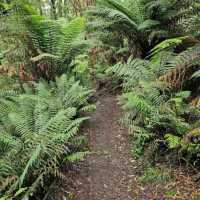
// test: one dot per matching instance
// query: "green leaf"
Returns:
(20, 191)
(196, 74)
(167, 44)
(148, 24)
(31, 161)
(173, 141)
(183, 94)
(78, 156)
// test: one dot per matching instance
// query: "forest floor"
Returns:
(110, 172)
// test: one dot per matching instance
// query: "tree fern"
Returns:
(48, 46)
(182, 65)
(155, 112)
(151, 20)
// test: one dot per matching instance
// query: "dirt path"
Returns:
(109, 173)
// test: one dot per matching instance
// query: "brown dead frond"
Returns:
(195, 102)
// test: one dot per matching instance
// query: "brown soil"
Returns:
(109, 173)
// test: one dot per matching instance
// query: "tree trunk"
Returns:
(40, 7)
(60, 8)
(53, 9)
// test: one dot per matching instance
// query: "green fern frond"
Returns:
(148, 24)
(39, 128)
(88, 108)
(181, 66)
(78, 156)
(34, 158)
(115, 5)
(167, 44)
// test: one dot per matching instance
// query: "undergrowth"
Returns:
(152, 175)
(40, 128)
(159, 113)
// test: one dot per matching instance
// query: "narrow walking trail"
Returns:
(109, 173)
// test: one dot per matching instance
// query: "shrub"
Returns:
(157, 105)
(37, 130)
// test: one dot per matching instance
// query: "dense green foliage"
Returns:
(49, 49)
(157, 93)
(142, 23)
(39, 129)
(160, 79)
(42, 102)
